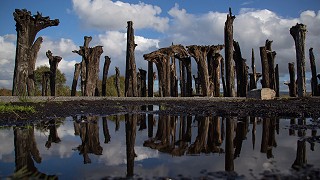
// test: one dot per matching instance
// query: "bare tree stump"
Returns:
(117, 81)
(77, 68)
(298, 32)
(105, 75)
(228, 41)
(53, 61)
(314, 81)
(131, 75)
(27, 27)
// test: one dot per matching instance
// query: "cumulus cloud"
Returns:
(113, 15)
(7, 58)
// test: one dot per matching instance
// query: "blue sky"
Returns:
(157, 24)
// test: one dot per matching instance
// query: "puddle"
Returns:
(156, 146)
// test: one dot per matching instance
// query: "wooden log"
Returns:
(106, 65)
(228, 41)
(265, 68)
(117, 81)
(314, 81)
(77, 68)
(298, 32)
(131, 75)
(27, 27)
(53, 61)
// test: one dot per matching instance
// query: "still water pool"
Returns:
(161, 146)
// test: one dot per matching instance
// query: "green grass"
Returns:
(8, 108)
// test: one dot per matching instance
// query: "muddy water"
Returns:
(153, 146)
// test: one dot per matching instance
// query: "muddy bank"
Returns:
(49, 107)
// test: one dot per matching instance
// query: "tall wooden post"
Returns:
(314, 81)
(150, 79)
(131, 75)
(182, 79)
(77, 68)
(117, 81)
(270, 56)
(228, 41)
(253, 75)
(45, 79)
(53, 61)
(27, 27)
(292, 84)
(277, 81)
(106, 65)
(298, 32)
(265, 68)
(143, 83)
(241, 71)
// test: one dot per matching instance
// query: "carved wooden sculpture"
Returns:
(27, 27)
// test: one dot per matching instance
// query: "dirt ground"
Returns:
(281, 108)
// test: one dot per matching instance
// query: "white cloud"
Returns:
(113, 15)
(7, 58)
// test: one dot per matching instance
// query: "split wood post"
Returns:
(182, 79)
(150, 79)
(241, 71)
(107, 61)
(27, 27)
(224, 86)
(253, 75)
(174, 79)
(314, 81)
(298, 32)
(117, 81)
(214, 58)
(77, 68)
(131, 75)
(292, 84)
(143, 83)
(45, 79)
(199, 53)
(265, 68)
(228, 41)
(53, 61)
(271, 56)
(277, 81)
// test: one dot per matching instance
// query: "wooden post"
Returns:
(265, 68)
(314, 81)
(298, 32)
(106, 65)
(216, 74)
(228, 41)
(117, 81)
(292, 84)
(77, 68)
(27, 27)
(224, 86)
(241, 71)
(143, 83)
(150, 79)
(253, 75)
(277, 81)
(270, 56)
(53, 61)
(182, 78)
(45, 79)
(131, 75)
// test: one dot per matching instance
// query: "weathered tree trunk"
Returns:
(292, 83)
(105, 75)
(224, 86)
(277, 81)
(265, 68)
(314, 81)
(173, 77)
(187, 62)
(27, 27)
(228, 41)
(241, 71)
(199, 53)
(301, 155)
(117, 81)
(200, 144)
(182, 79)
(150, 79)
(77, 68)
(45, 80)
(216, 74)
(298, 32)
(105, 128)
(89, 67)
(131, 75)
(143, 83)
(53, 61)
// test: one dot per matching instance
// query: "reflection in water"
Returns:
(183, 136)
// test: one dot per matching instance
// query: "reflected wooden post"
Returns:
(200, 144)
(131, 125)
(106, 133)
(229, 154)
(265, 135)
(53, 134)
(301, 156)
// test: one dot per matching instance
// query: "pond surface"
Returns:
(155, 146)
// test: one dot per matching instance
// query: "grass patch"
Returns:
(8, 108)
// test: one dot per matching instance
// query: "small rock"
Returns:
(262, 94)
